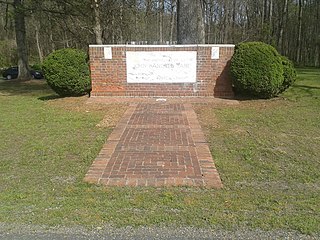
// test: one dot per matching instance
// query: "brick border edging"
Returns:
(210, 174)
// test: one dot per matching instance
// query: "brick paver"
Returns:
(156, 144)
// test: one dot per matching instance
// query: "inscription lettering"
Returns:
(161, 67)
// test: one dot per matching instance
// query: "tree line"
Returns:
(292, 26)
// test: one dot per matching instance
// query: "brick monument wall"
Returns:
(111, 75)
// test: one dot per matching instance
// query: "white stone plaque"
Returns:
(107, 52)
(215, 53)
(162, 67)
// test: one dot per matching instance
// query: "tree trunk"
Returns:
(317, 56)
(200, 23)
(97, 23)
(121, 21)
(208, 20)
(20, 28)
(234, 13)
(263, 13)
(38, 43)
(190, 18)
(65, 39)
(270, 21)
(53, 46)
(281, 25)
(172, 22)
(161, 12)
(298, 56)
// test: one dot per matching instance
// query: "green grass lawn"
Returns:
(266, 152)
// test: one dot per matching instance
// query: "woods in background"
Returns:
(292, 26)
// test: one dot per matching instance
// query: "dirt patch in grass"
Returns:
(206, 117)
(112, 112)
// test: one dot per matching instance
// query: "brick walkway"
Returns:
(156, 144)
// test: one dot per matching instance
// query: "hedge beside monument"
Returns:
(258, 70)
(289, 74)
(67, 72)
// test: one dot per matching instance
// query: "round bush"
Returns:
(289, 73)
(256, 70)
(67, 72)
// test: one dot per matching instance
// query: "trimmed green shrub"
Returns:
(256, 70)
(289, 73)
(67, 72)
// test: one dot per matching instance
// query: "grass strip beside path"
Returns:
(266, 152)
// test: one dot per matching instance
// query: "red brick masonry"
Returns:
(156, 144)
(109, 76)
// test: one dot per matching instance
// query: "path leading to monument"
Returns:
(156, 144)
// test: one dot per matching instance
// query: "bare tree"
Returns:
(291, 25)
(20, 29)
(190, 21)
(298, 56)
(97, 25)
(172, 19)
(161, 13)
(281, 24)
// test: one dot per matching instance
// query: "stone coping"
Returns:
(164, 46)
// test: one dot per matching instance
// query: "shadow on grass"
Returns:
(239, 97)
(49, 97)
(297, 92)
(32, 87)
(305, 87)
(246, 97)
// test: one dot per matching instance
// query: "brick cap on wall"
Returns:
(165, 46)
